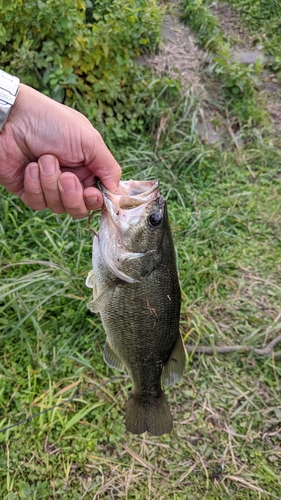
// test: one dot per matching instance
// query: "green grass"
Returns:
(225, 442)
(225, 211)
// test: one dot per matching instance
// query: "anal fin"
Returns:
(111, 358)
(174, 367)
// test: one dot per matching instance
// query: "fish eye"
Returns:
(155, 219)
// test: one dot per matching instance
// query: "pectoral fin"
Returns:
(111, 358)
(174, 368)
(90, 280)
(99, 303)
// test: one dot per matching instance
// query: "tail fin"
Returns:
(148, 414)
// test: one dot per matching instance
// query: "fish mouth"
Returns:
(130, 194)
(121, 212)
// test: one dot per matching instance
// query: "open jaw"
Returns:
(130, 194)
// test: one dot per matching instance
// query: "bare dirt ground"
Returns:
(180, 55)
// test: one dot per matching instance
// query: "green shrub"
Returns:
(81, 53)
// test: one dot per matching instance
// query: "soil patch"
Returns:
(178, 55)
(230, 25)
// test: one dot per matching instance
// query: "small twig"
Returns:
(223, 349)
(144, 462)
(91, 215)
(250, 485)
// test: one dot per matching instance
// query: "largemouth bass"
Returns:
(136, 291)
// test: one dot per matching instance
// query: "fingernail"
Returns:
(47, 164)
(67, 184)
(92, 201)
(34, 172)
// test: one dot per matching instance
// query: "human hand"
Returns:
(50, 155)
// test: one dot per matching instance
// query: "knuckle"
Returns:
(97, 135)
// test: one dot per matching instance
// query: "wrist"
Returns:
(9, 88)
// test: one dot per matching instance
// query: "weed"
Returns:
(237, 80)
(263, 21)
